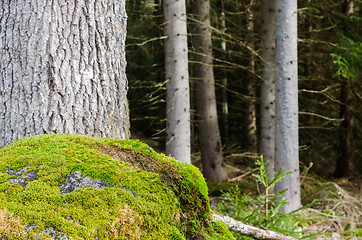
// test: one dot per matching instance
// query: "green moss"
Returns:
(155, 196)
(222, 231)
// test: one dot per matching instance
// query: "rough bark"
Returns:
(209, 134)
(63, 68)
(251, 136)
(250, 231)
(287, 156)
(267, 89)
(177, 77)
(345, 162)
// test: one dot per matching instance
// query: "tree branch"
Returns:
(250, 231)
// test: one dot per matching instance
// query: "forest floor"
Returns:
(338, 214)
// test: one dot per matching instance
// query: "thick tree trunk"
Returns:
(267, 111)
(287, 156)
(63, 68)
(251, 137)
(345, 161)
(177, 77)
(210, 141)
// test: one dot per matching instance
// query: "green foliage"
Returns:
(263, 210)
(348, 59)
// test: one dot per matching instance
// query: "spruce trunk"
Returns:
(210, 141)
(63, 68)
(267, 89)
(178, 131)
(251, 136)
(345, 162)
(287, 156)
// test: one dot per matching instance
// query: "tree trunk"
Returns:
(224, 92)
(210, 141)
(251, 137)
(287, 156)
(345, 161)
(267, 111)
(63, 68)
(177, 77)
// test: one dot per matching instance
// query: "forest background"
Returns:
(329, 82)
(330, 91)
(329, 67)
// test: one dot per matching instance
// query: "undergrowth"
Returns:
(308, 222)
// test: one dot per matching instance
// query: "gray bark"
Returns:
(251, 137)
(177, 77)
(267, 89)
(287, 156)
(63, 68)
(209, 134)
(224, 93)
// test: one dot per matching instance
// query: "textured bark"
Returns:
(177, 77)
(287, 156)
(251, 137)
(345, 162)
(210, 141)
(63, 68)
(267, 111)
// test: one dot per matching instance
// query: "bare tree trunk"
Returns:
(287, 156)
(251, 137)
(177, 77)
(210, 141)
(63, 68)
(224, 92)
(345, 162)
(267, 111)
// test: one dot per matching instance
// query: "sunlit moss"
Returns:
(150, 196)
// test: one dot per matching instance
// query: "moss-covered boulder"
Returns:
(64, 186)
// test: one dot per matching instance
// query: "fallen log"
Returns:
(250, 231)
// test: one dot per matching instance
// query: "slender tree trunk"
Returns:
(267, 111)
(63, 68)
(224, 92)
(177, 77)
(287, 156)
(345, 161)
(251, 136)
(210, 141)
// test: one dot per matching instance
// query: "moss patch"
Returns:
(147, 195)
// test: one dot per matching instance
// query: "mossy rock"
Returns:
(62, 186)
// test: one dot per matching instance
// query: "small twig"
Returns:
(320, 116)
(305, 172)
(242, 176)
